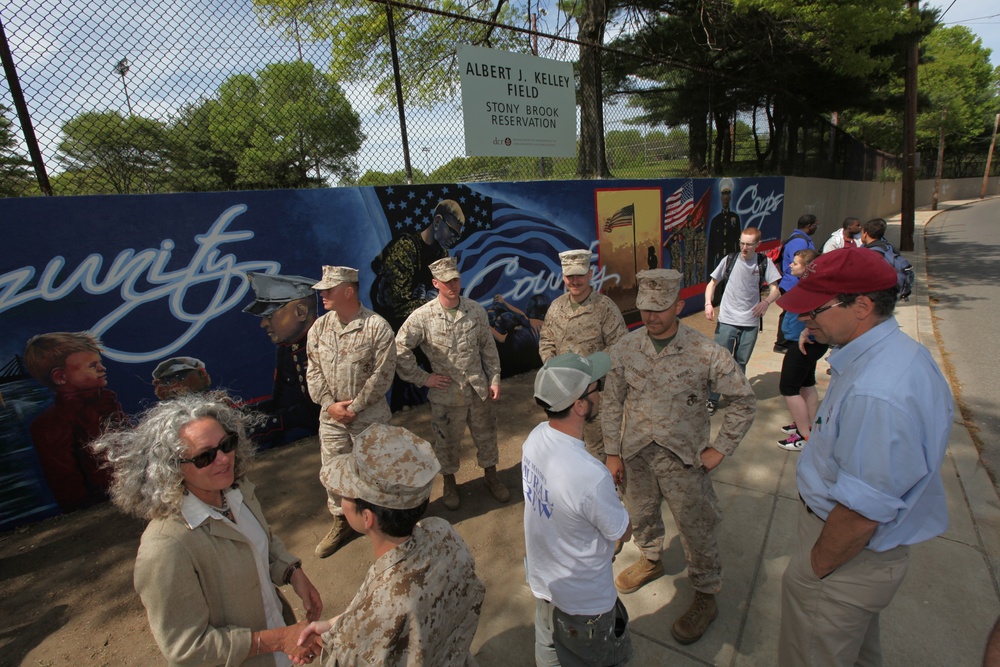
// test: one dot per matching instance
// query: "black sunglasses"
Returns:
(599, 388)
(812, 314)
(207, 457)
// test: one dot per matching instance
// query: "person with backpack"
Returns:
(800, 239)
(873, 238)
(736, 286)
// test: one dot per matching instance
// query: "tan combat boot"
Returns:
(338, 536)
(496, 487)
(638, 575)
(450, 495)
(692, 625)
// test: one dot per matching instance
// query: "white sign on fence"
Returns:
(516, 104)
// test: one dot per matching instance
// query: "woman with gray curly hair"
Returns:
(208, 566)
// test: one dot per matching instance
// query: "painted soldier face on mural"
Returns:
(80, 372)
(726, 196)
(288, 323)
(447, 230)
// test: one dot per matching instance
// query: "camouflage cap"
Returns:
(575, 262)
(658, 289)
(335, 275)
(170, 367)
(389, 467)
(445, 269)
(274, 291)
(565, 378)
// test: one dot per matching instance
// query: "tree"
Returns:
(954, 77)
(288, 126)
(126, 155)
(15, 174)
(427, 43)
(788, 58)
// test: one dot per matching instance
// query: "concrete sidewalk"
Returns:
(941, 615)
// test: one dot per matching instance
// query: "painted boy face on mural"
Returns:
(80, 372)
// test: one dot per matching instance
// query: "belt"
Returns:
(809, 509)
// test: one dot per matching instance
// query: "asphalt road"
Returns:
(963, 270)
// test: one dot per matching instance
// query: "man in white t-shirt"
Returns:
(572, 517)
(742, 276)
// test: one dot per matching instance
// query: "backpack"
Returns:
(730, 263)
(904, 271)
(777, 255)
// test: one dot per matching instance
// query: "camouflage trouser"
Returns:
(333, 441)
(448, 423)
(656, 474)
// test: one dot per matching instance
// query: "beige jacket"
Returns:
(594, 326)
(462, 348)
(200, 588)
(354, 363)
(650, 397)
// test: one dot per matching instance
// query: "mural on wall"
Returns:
(128, 299)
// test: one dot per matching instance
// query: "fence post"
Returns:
(22, 114)
(399, 93)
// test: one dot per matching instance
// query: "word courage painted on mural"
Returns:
(757, 206)
(530, 285)
(208, 265)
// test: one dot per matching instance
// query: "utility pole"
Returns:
(940, 163)
(989, 158)
(908, 208)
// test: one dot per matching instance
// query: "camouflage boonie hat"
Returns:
(575, 262)
(170, 367)
(335, 275)
(274, 291)
(445, 269)
(389, 467)
(658, 289)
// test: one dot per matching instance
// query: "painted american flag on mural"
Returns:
(679, 206)
(623, 217)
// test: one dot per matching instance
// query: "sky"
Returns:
(982, 17)
(188, 47)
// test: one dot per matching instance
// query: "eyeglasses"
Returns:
(596, 390)
(812, 314)
(207, 457)
(454, 224)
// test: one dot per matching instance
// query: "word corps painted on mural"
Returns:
(758, 207)
(208, 265)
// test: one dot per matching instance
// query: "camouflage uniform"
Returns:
(462, 349)
(419, 605)
(653, 415)
(594, 326)
(356, 362)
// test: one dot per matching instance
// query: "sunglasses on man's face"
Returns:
(207, 457)
(596, 390)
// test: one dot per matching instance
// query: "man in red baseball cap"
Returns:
(869, 478)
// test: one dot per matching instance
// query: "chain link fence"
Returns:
(197, 95)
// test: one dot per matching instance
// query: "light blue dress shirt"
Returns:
(879, 438)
